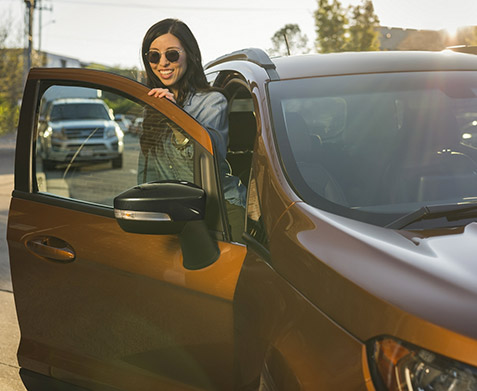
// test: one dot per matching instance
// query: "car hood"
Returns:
(84, 123)
(431, 274)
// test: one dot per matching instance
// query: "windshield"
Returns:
(375, 147)
(74, 111)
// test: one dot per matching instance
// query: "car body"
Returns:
(357, 266)
(471, 49)
(136, 127)
(123, 122)
(72, 122)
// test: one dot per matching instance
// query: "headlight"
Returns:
(48, 132)
(399, 366)
(113, 131)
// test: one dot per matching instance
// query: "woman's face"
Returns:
(169, 72)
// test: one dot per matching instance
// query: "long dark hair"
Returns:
(194, 78)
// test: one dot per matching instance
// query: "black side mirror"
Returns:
(169, 207)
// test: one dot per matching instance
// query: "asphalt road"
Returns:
(9, 331)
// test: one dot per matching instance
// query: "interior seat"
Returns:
(428, 165)
(242, 133)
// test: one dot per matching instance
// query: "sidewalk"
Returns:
(9, 337)
(9, 331)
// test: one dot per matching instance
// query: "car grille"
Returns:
(82, 133)
(92, 147)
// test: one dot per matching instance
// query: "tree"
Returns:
(289, 40)
(131, 73)
(331, 27)
(118, 103)
(464, 36)
(11, 79)
(363, 29)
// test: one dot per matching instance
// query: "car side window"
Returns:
(82, 153)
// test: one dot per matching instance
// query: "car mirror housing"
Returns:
(169, 207)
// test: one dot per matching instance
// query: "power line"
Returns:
(172, 7)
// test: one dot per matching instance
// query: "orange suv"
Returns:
(357, 267)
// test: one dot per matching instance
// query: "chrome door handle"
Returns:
(52, 248)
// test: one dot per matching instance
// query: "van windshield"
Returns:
(378, 146)
(74, 111)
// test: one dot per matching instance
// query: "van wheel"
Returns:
(118, 162)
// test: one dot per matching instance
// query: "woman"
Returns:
(174, 71)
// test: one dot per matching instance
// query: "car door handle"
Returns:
(52, 248)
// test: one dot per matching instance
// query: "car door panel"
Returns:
(98, 306)
(126, 309)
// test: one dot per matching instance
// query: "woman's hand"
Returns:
(162, 93)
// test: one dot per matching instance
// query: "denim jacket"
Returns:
(210, 110)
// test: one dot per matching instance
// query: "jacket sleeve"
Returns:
(213, 117)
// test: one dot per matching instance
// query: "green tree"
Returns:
(331, 27)
(118, 103)
(363, 29)
(131, 73)
(11, 78)
(289, 40)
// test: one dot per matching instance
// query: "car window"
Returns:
(83, 154)
(374, 147)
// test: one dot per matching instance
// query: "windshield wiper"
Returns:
(449, 211)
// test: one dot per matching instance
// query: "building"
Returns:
(51, 60)
(394, 38)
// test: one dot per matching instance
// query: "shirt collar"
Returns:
(188, 99)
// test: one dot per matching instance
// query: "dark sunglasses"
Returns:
(154, 56)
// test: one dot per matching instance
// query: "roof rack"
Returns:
(255, 55)
(471, 49)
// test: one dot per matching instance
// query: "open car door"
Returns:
(102, 307)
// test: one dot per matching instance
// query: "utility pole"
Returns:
(39, 26)
(30, 7)
(40, 9)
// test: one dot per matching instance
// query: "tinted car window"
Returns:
(377, 146)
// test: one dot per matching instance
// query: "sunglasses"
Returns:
(154, 56)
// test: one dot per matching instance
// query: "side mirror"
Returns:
(169, 207)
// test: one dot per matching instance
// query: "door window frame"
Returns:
(40, 79)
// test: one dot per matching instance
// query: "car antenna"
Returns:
(286, 43)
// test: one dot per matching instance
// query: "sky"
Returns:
(110, 32)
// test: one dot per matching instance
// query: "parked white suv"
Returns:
(78, 130)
